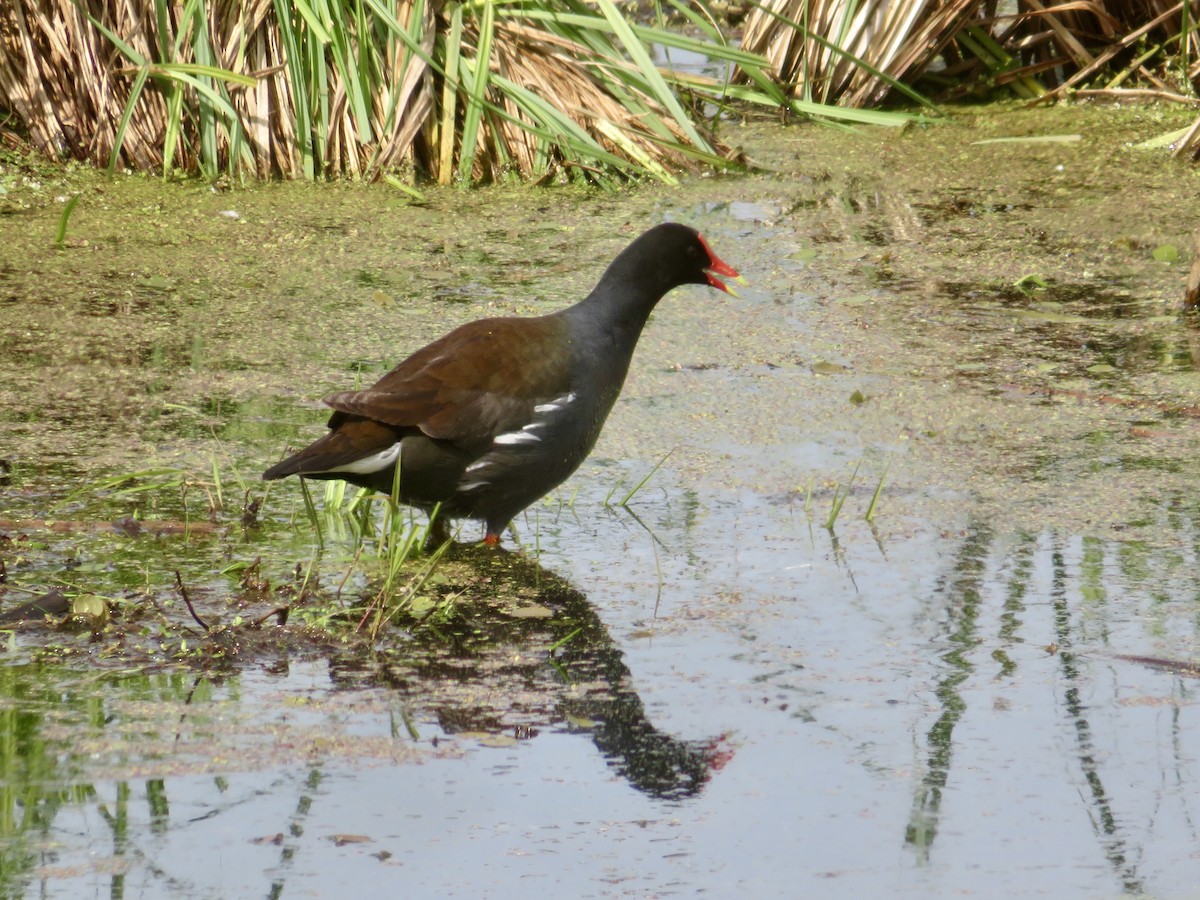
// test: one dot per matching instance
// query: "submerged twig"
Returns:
(1137, 94)
(188, 603)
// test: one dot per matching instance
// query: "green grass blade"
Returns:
(886, 118)
(60, 233)
(448, 128)
(478, 71)
(562, 641)
(555, 126)
(311, 18)
(294, 54)
(135, 92)
(846, 54)
(212, 71)
(580, 24)
(839, 498)
(174, 98)
(162, 16)
(310, 509)
(125, 49)
(871, 507)
(413, 194)
(350, 72)
(218, 102)
(658, 87)
(637, 487)
(208, 119)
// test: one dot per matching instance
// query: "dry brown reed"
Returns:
(854, 53)
(307, 89)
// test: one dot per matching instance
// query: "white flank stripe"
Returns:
(517, 437)
(373, 463)
(556, 404)
(526, 435)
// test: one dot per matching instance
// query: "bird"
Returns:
(491, 417)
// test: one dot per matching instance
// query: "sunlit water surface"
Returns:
(951, 699)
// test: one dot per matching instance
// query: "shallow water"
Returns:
(950, 699)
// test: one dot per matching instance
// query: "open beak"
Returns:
(719, 268)
(715, 267)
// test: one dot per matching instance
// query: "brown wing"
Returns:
(480, 380)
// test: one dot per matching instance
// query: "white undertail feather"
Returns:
(374, 463)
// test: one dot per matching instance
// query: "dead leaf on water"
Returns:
(1044, 315)
(1032, 139)
(1147, 700)
(533, 611)
(1174, 666)
(343, 839)
(487, 739)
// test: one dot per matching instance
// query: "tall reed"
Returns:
(470, 91)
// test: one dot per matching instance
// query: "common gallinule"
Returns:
(489, 418)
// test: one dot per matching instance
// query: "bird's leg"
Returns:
(437, 533)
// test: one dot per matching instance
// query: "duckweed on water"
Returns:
(183, 333)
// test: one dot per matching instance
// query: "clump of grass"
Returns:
(149, 487)
(174, 604)
(392, 598)
(840, 494)
(858, 54)
(1030, 284)
(457, 91)
(632, 492)
(383, 543)
(394, 539)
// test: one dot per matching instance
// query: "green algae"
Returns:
(1038, 515)
(192, 330)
